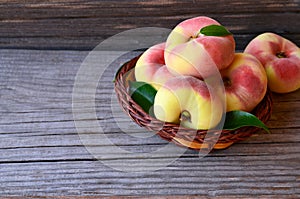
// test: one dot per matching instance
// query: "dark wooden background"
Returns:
(42, 45)
(81, 25)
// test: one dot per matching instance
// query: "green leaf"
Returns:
(215, 30)
(143, 94)
(237, 119)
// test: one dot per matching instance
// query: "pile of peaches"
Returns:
(198, 74)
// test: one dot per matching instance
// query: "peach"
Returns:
(151, 68)
(281, 60)
(245, 82)
(188, 101)
(190, 53)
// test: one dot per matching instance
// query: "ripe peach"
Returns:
(151, 68)
(188, 101)
(245, 82)
(281, 60)
(190, 53)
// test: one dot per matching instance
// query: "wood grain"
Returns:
(42, 154)
(78, 24)
(42, 47)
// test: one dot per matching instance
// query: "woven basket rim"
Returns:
(179, 135)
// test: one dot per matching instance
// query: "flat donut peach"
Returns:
(188, 101)
(151, 68)
(190, 53)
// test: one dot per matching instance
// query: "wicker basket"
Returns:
(194, 139)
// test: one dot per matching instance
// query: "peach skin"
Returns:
(281, 60)
(190, 53)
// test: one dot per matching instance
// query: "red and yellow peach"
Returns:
(245, 83)
(188, 101)
(190, 53)
(151, 68)
(281, 60)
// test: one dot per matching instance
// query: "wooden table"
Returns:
(42, 47)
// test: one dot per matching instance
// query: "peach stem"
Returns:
(281, 55)
(185, 116)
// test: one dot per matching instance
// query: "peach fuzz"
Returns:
(188, 101)
(190, 53)
(245, 83)
(281, 60)
(151, 68)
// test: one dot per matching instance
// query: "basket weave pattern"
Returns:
(179, 135)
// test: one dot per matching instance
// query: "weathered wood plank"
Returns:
(88, 43)
(73, 153)
(83, 24)
(41, 151)
(209, 176)
(42, 154)
(54, 8)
